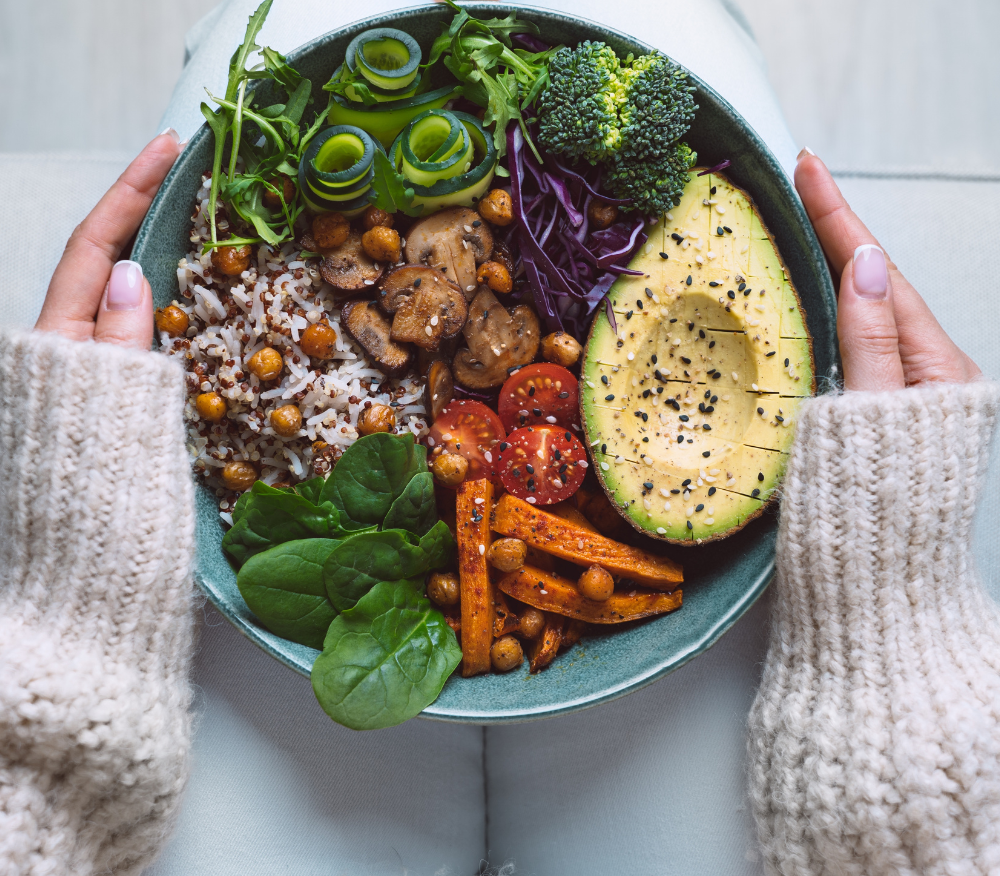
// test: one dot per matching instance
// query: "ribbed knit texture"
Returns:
(875, 736)
(96, 536)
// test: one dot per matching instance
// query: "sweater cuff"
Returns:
(96, 528)
(882, 487)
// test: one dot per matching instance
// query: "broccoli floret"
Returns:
(654, 183)
(579, 110)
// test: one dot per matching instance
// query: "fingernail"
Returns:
(183, 145)
(125, 288)
(172, 133)
(805, 151)
(871, 279)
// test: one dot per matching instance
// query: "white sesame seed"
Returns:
(721, 210)
(434, 320)
(583, 463)
(468, 229)
(619, 460)
(711, 510)
(531, 501)
(753, 322)
(660, 530)
(489, 458)
(430, 441)
(666, 506)
(605, 466)
(446, 436)
(550, 419)
(482, 549)
(471, 288)
(755, 389)
(664, 492)
(647, 504)
(709, 521)
(713, 471)
(369, 282)
(630, 356)
(736, 376)
(647, 460)
(479, 501)
(428, 330)
(731, 482)
(689, 510)
(670, 217)
(543, 592)
(699, 260)
(540, 455)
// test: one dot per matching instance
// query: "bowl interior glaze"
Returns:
(722, 580)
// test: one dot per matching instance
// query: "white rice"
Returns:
(231, 318)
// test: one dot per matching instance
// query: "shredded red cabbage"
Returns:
(722, 165)
(569, 268)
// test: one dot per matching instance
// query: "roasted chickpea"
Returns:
(330, 230)
(381, 244)
(601, 215)
(561, 348)
(172, 320)
(507, 554)
(377, 418)
(496, 276)
(596, 583)
(531, 624)
(497, 207)
(318, 341)
(443, 588)
(374, 216)
(266, 363)
(211, 406)
(231, 260)
(286, 420)
(239, 476)
(271, 199)
(449, 469)
(506, 654)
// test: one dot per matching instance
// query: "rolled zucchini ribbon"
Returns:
(446, 157)
(337, 169)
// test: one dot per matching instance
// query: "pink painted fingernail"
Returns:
(125, 289)
(871, 279)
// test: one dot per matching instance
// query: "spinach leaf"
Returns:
(361, 562)
(284, 588)
(269, 517)
(371, 475)
(311, 489)
(385, 660)
(415, 510)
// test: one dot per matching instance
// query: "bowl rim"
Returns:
(756, 588)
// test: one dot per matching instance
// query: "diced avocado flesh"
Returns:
(711, 336)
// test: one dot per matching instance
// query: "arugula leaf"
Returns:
(270, 516)
(362, 561)
(415, 510)
(371, 475)
(284, 588)
(385, 660)
(389, 191)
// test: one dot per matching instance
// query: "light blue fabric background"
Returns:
(651, 785)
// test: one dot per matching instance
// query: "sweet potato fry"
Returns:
(574, 630)
(545, 648)
(550, 592)
(504, 620)
(571, 514)
(472, 514)
(552, 534)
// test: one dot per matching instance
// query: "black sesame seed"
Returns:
(760, 476)
(707, 454)
(653, 358)
(769, 355)
(636, 414)
(663, 255)
(779, 419)
(742, 286)
(714, 283)
(731, 294)
(711, 491)
(714, 399)
(604, 379)
(503, 446)
(531, 390)
(685, 360)
(648, 485)
(719, 231)
(760, 411)
(529, 468)
(645, 417)
(689, 280)
(676, 237)
(563, 467)
(712, 190)
(680, 440)
(675, 492)
(476, 223)
(690, 526)
(701, 333)
(604, 448)
(675, 404)
(727, 228)
(690, 326)
(416, 283)
(536, 411)
(645, 393)
(699, 507)
(701, 407)
(564, 395)
(609, 397)
(684, 417)
(746, 292)
(649, 292)
(630, 314)
(786, 363)
(755, 493)
(711, 344)
(708, 392)
(709, 409)
(638, 304)
(645, 440)
(716, 376)
(567, 436)
(674, 319)
(706, 427)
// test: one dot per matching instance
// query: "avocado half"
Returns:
(689, 409)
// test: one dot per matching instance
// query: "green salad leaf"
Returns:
(359, 563)
(285, 589)
(385, 660)
(389, 190)
(415, 509)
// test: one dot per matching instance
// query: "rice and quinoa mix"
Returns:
(269, 305)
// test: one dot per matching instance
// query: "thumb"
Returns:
(869, 341)
(125, 315)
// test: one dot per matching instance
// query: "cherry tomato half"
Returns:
(543, 393)
(470, 429)
(542, 464)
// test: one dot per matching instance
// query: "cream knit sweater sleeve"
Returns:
(96, 534)
(875, 737)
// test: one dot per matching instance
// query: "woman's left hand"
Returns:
(92, 295)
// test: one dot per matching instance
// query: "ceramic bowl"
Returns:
(722, 580)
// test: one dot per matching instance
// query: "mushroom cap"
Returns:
(498, 341)
(370, 328)
(450, 240)
(434, 312)
(348, 267)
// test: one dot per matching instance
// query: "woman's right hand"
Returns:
(889, 339)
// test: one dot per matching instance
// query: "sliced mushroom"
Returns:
(454, 240)
(404, 281)
(434, 312)
(439, 389)
(498, 341)
(364, 322)
(348, 268)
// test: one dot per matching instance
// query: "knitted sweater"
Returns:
(875, 736)
(874, 747)
(96, 534)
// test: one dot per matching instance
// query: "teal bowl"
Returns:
(722, 580)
